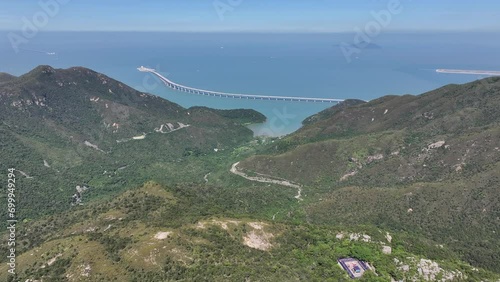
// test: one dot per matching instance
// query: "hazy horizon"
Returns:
(249, 16)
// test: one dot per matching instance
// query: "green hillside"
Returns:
(113, 184)
(5, 77)
(66, 127)
(428, 164)
(154, 233)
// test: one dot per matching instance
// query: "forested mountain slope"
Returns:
(428, 164)
(62, 128)
(113, 184)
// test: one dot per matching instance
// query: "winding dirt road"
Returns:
(262, 179)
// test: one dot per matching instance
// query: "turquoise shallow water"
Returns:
(310, 65)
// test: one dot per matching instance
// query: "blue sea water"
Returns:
(307, 65)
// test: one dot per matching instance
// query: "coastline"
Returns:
(476, 72)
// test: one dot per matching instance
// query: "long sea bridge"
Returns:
(187, 89)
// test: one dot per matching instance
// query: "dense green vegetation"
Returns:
(45, 128)
(116, 239)
(240, 115)
(426, 164)
(4, 77)
(164, 206)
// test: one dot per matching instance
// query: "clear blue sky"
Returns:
(253, 15)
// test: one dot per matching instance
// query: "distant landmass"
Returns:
(477, 72)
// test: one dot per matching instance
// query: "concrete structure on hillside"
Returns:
(355, 268)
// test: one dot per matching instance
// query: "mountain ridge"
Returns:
(385, 158)
(66, 121)
(114, 183)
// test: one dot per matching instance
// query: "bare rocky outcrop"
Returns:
(427, 270)
(258, 238)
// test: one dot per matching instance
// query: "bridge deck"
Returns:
(193, 90)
